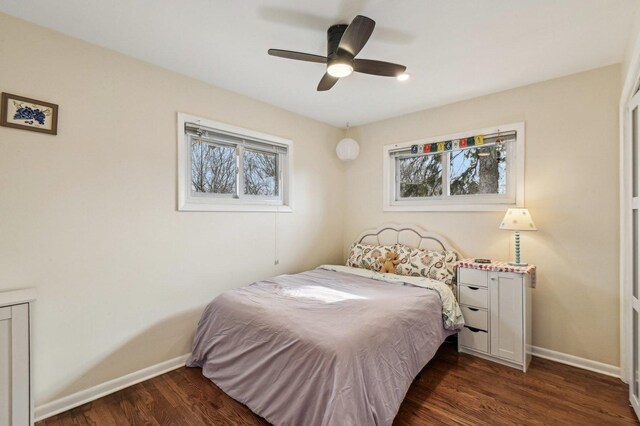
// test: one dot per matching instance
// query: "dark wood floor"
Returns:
(454, 389)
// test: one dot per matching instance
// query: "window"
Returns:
(479, 170)
(226, 168)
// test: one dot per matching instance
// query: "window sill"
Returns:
(200, 207)
(449, 208)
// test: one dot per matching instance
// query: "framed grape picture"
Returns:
(28, 114)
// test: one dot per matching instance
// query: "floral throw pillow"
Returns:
(355, 256)
(404, 256)
(450, 260)
(438, 265)
(366, 256)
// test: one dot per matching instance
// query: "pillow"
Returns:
(366, 256)
(355, 256)
(438, 265)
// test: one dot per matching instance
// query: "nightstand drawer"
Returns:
(474, 317)
(473, 277)
(473, 296)
(474, 339)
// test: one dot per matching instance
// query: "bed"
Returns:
(331, 346)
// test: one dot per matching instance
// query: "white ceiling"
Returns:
(454, 50)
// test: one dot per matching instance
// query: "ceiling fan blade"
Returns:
(327, 82)
(298, 56)
(356, 35)
(385, 69)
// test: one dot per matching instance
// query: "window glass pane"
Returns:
(479, 170)
(420, 176)
(213, 168)
(260, 173)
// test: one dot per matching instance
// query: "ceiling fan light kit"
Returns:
(344, 42)
(339, 69)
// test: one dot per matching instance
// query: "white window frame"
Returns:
(490, 202)
(189, 201)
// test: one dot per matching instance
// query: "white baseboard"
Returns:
(576, 361)
(71, 401)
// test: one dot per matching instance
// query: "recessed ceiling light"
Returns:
(403, 77)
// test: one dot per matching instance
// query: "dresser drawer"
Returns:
(474, 317)
(473, 277)
(473, 296)
(474, 339)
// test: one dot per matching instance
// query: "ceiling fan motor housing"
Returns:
(334, 35)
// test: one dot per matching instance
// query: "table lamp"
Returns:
(518, 220)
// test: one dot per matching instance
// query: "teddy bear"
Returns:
(389, 262)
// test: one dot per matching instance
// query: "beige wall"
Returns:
(571, 191)
(89, 216)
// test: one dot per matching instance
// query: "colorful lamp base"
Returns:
(517, 262)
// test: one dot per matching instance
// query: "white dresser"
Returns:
(16, 408)
(496, 306)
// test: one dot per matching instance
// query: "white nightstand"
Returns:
(495, 299)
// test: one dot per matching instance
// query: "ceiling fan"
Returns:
(344, 42)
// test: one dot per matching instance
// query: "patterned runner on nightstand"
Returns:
(496, 266)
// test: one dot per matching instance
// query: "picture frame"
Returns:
(24, 113)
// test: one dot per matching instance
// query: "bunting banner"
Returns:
(451, 145)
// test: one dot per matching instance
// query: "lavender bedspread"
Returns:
(321, 347)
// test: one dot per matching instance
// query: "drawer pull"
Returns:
(473, 330)
(472, 309)
(473, 288)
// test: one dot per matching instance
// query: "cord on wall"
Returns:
(276, 259)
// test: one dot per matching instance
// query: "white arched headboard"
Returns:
(409, 235)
